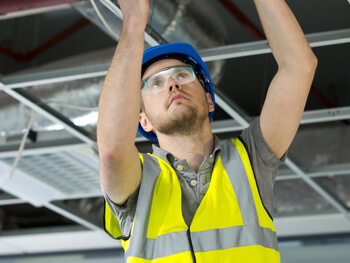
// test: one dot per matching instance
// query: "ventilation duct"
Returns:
(192, 21)
(11, 6)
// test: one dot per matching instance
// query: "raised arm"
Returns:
(119, 106)
(289, 89)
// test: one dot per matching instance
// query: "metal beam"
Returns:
(259, 47)
(54, 76)
(222, 126)
(313, 116)
(42, 150)
(7, 199)
(329, 38)
(84, 240)
(58, 241)
(34, 11)
(322, 224)
(326, 115)
(68, 213)
(225, 126)
(316, 172)
(11, 202)
(229, 108)
(317, 188)
(224, 52)
(48, 112)
(92, 162)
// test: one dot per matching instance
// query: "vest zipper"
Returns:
(191, 246)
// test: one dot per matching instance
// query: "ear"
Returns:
(146, 125)
(210, 102)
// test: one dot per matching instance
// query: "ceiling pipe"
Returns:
(174, 18)
(11, 6)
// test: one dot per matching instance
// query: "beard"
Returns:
(187, 123)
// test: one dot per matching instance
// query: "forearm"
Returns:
(286, 39)
(287, 94)
(119, 104)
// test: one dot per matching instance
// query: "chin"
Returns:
(181, 110)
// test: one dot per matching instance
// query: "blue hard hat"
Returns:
(185, 53)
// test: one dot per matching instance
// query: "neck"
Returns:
(193, 148)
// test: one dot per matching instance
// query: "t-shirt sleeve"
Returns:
(124, 214)
(265, 163)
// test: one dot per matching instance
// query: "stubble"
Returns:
(185, 124)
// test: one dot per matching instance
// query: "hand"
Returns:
(135, 12)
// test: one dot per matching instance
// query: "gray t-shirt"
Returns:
(195, 185)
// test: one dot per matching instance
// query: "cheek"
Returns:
(152, 104)
(145, 101)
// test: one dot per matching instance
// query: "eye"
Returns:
(182, 75)
(156, 84)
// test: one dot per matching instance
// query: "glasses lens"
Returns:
(183, 75)
(158, 81)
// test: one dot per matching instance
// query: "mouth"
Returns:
(177, 97)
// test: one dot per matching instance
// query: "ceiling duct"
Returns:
(77, 100)
(87, 10)
(12, 6)
(191, 21)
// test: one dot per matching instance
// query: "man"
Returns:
(195, 200)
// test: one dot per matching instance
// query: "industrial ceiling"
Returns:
(54, 55)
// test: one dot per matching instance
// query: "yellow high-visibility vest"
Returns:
(230, 224)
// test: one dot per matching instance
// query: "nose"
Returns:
(173, 84)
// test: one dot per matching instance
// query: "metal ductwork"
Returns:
(76, 99)
(192, 21)
(60, 173)
(11, 6)
(18, 8)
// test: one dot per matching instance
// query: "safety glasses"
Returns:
(158, 81)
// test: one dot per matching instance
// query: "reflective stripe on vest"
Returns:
(229, 224)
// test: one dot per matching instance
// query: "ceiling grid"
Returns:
(70, 171)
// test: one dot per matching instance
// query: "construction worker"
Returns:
(195, 199)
